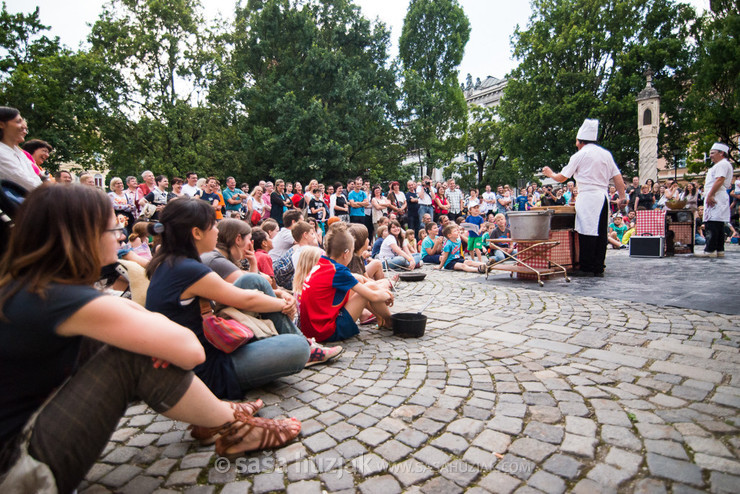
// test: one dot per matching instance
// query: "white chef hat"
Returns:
(718, 146)
(589, 131)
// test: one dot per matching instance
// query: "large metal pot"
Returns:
(530, 225)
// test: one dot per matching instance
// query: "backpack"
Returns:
(284, 270)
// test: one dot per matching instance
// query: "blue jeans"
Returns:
(500, 256)
(424, 210)
(398, 263)
(699, 240)
(262, 361)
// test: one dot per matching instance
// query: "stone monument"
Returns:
(648, 126)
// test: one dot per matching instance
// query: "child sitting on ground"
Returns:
(360, 264)
(411, 239)
(616, 232)
(485, 234)
(431, 247)
(451, 259)
(331, 297)
(139, 240)
(262, 246)
(422, 236)
(382, 233)
(501, 231)
(475, 241)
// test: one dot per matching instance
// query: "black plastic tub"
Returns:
(412, 276)
(409, 324)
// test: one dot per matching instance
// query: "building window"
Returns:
(647, 117)
(98, 180)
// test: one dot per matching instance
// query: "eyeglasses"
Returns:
(117, 231)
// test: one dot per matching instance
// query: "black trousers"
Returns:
(715, 233)
(592, 249)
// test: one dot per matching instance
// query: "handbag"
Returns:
(262, 328)
(225, 334)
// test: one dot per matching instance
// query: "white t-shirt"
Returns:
(281, 244)
(737, 186)
(386, 248)
(488, 196)
(16, 167)
(721, 210)
(189, 190)
(427, 199)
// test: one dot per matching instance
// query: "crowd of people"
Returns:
(315, 262)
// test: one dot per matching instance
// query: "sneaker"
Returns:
(705, 254)
(321, 354)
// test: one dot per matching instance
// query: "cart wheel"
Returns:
(511, 275)
(567, 279)
(541, 283)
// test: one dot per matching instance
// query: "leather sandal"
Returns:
(208, 435)
(275, 433)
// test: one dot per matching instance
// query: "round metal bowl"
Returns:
(409, 324)
(412, 276)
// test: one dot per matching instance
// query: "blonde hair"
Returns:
(307, 259)
(410, 234)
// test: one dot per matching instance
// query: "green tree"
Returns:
(586, 59)
(484, 140)
(431, 48)
(159, 118)
(320, 101)
(715, 94)
(57, 90)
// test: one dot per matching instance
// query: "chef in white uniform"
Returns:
(717, 201)
(593, 167)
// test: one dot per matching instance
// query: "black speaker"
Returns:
(647, 246)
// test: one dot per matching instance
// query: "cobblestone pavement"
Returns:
(511, 389)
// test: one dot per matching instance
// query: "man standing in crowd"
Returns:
(133, 195)
(488, 203)
(593, 167)
(632, 190)
(455, 199)
(412, 199)
(424, 191)
(717, 201)
(358, 201)
(232, 197)
(158, 195)
(191, 188)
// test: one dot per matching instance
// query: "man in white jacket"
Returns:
(593, 167)
(717, 201)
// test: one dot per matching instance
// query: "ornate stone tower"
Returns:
(648, 126)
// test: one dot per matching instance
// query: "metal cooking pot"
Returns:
(530, 225)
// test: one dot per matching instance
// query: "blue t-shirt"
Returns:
(427, 243)
(521, 203)
(34, 359)
(413, 206)
(453, 248)
(376, 247)
(476, 220)
(228, 195)
(163, 296)
(357, 197)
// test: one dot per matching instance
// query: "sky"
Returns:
(488, 53)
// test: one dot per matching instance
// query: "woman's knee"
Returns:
(254, 281)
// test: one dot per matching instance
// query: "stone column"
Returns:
(648, 126)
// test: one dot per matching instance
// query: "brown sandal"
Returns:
(209, 435)
(275, 433)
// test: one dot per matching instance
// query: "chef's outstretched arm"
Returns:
(558, 177)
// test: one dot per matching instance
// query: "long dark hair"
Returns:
(400, 237)
(178, 219)
(56, 239)
(6, 115)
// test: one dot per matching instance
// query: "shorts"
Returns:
(451, 265)
(475, 243)
(346, 327)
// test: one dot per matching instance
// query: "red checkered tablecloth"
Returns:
(651, 223)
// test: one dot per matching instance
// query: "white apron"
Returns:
(721, 209)
(589, 202)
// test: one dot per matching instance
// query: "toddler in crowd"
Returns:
(411, 239)
(451, 258)
(262, 246)
(422, 236)
(332, 299)
(382, 232)
(501, 231)
(139, 240)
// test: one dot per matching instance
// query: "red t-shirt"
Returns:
(144, 188)
(264, 262)
(325, 292)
